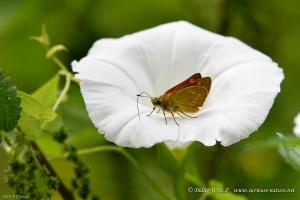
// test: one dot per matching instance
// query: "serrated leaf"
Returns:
(290, 152)
(47, 93)
(10, 104)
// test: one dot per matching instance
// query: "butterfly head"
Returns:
(156, 101)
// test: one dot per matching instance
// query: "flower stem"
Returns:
(64, 91)
(64, 68)
(132, 160)
(224, 18)
(213, 164)
(6, 139)
(59, 63)
(63, 190)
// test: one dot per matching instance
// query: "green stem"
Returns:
(6, 139)
(132, 160)
(64, 68)
(59, 63)
(196, 181)
(64, 91)
(62, 188)
(224, 18)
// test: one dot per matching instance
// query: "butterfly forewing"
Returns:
(194, 78)
(189, 99)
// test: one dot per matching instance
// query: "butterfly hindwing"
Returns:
(189, 99)
(205, 82)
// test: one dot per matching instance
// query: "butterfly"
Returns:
(185, 97)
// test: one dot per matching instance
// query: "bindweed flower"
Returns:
(245, 83)
(297, 125)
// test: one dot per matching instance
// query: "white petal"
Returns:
(245, 83)
(115, 114)
(297, 125)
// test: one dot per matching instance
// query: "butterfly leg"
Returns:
(174, 119)
(186, 114)
(151, 111)
(158, 110)
(180, 115)
(137, 106)
(165, 116)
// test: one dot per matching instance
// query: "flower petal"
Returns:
(245, 83)
(297, 125)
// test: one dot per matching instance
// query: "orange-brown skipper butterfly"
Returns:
(186, 97)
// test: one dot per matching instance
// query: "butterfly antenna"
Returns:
(137, 101)
(141, 95)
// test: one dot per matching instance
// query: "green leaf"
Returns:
(49, 146)
(191, 174)
(43, 38)
(178, 185)
(47, 93)
(30, 125)
(10, 104)
(215, 184)
(221, 193)
(290, 152)
(167, 160)
(1, 138)
(36, 109)
(227, 196)
(74, 115)
(34, 115)
(171, 165)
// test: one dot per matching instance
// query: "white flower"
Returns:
(245, 83)
(297, 125)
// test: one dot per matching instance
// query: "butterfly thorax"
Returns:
(164, 103)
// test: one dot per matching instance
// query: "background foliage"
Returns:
(270, 26)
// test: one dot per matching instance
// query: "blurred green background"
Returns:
(270, 26)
